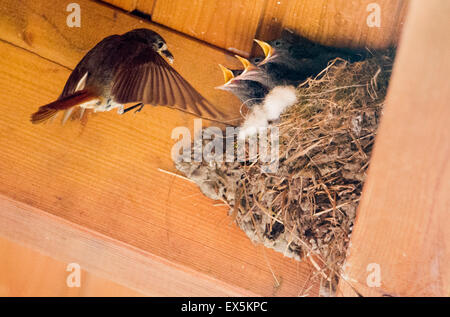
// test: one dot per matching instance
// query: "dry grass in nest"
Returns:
(307, 208)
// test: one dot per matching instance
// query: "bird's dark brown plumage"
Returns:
(129, 68)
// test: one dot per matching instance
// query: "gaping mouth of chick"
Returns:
(228, 77)
(246, 63)
(250, 72)
(269, 51)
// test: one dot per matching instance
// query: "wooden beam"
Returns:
(228, 24)
(105, 257)
(403, 224)
(26, 272)
(344, 23)
(145, 6)
(128, 5)
(233, 24)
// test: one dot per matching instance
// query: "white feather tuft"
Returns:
(255, 120)
(278, 99)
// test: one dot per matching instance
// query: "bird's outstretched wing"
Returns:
(146, 77)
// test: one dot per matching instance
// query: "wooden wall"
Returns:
(233, 24)
(401, 240)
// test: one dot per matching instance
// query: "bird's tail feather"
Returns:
(48, 111)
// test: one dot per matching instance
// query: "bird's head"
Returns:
(256, 60)
(238, 82)
(160, 46)
(229, 76)
(234, 78)
(276, 51)
(153, 39)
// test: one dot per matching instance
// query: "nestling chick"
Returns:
(291, 59)
(249, 92)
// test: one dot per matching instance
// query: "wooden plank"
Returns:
(104, 256)
(228, 24)
(104, 176)
(128, 5)
(403, 221)
(145, 6)
(272, 20)
(335, 22)
(233, 24)
(26, 272)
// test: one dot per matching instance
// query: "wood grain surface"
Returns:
(145, 6)
(128, 5)
(403, 220)
(228, 24)
(26, 272)
(103, 257)
(344, 23)
(234, 24)
(104, 176)
(272, 20)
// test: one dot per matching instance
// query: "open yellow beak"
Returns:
(247, 65)
(267, 49)
(227, 74)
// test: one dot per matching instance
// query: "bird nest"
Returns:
(306, 209)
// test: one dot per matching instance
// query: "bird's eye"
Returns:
(277, 43)
(160, 45)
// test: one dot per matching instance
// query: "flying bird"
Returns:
(122, 69)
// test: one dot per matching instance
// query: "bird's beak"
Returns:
(168, 55)
(251, 72)
(227, 76)
(247, 65)
(267, 49)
